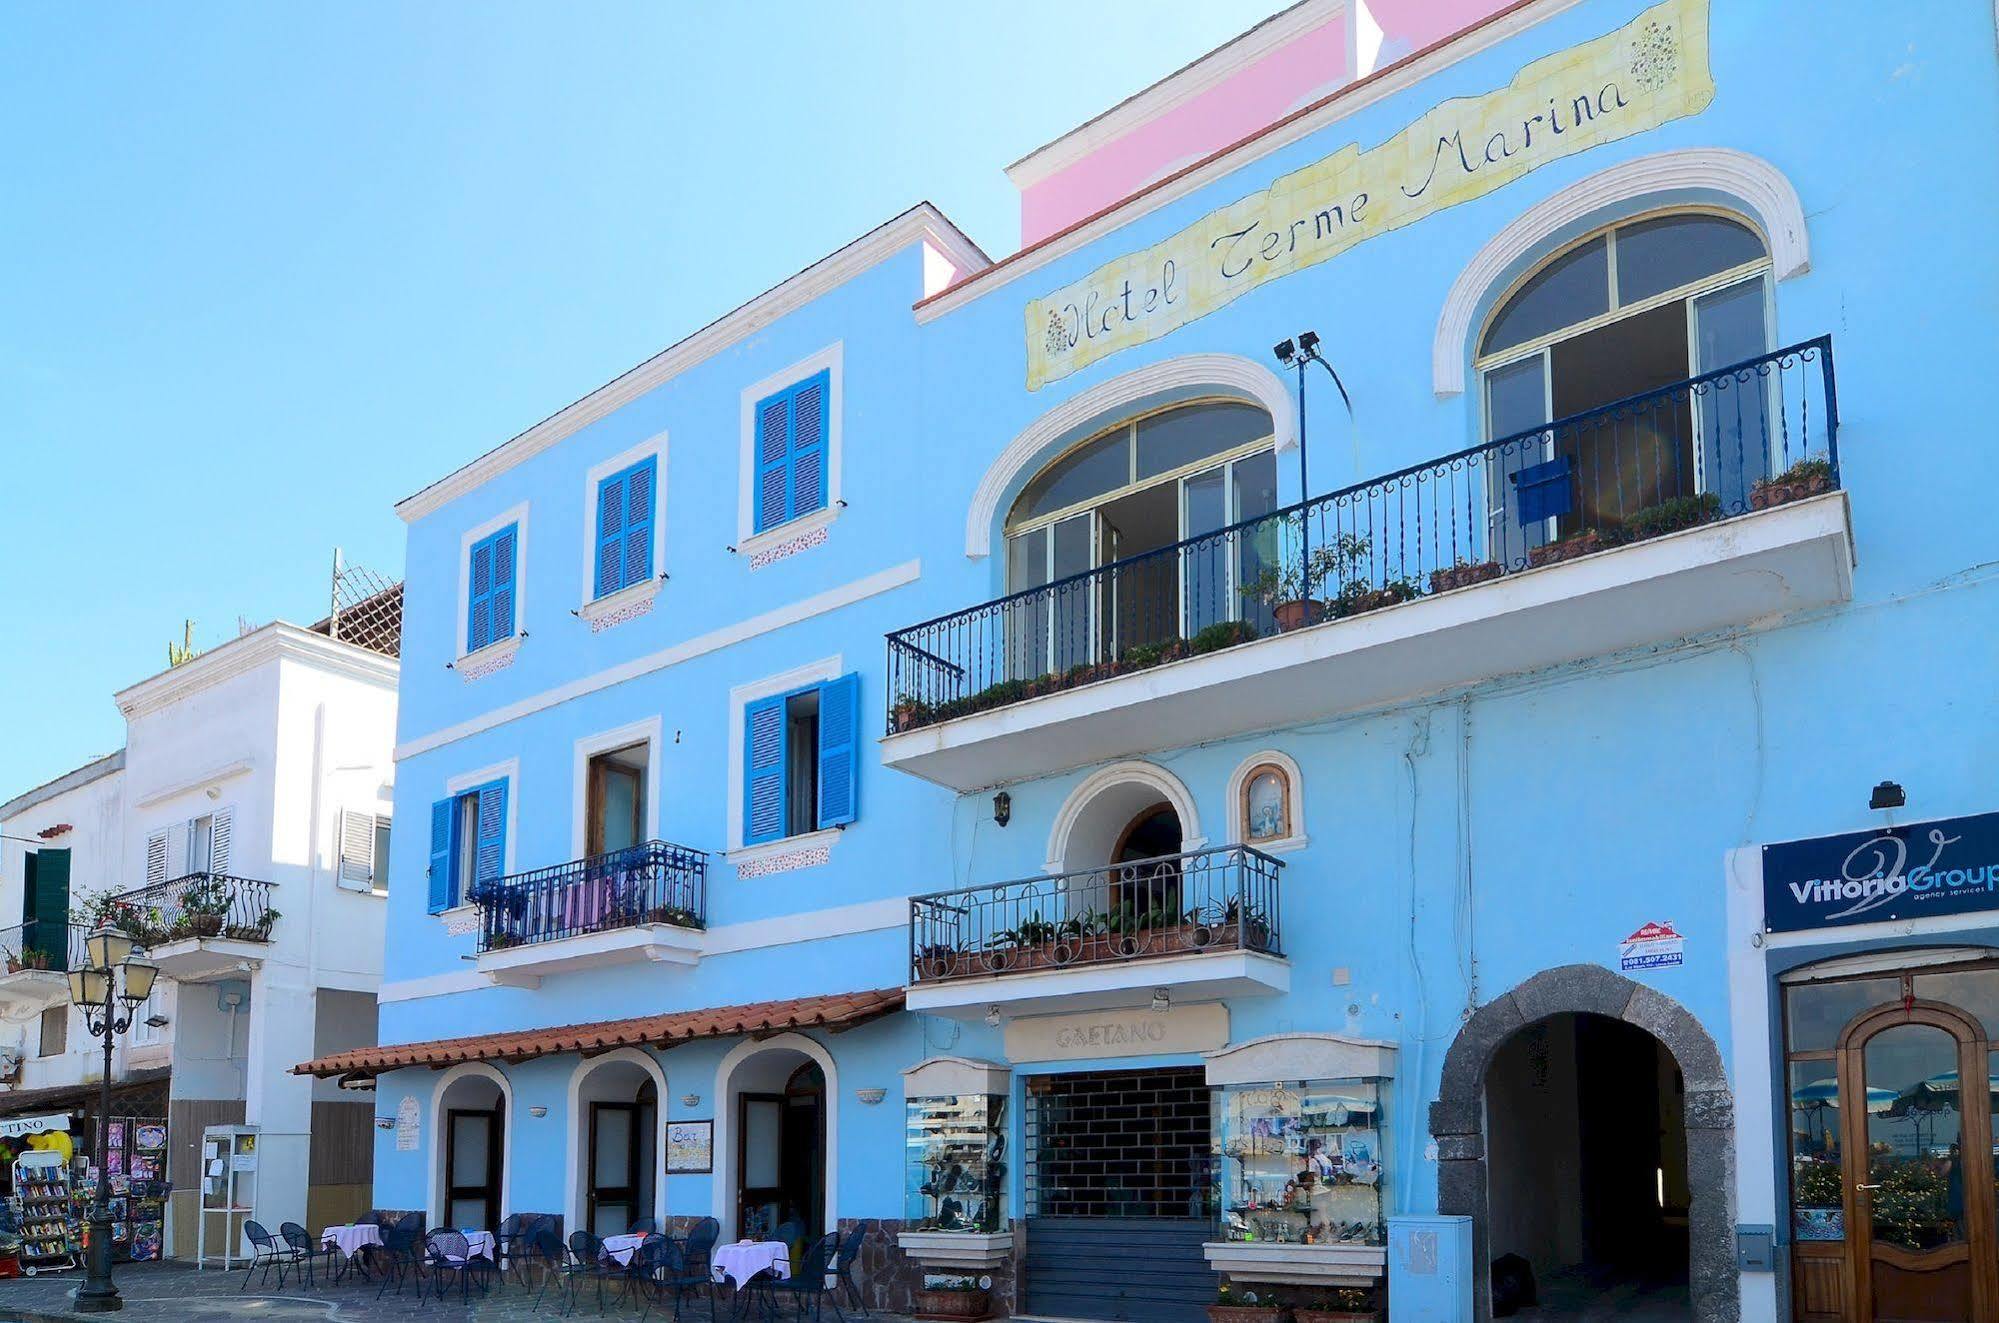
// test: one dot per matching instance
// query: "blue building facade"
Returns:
(991, 755)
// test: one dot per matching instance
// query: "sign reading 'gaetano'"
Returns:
(1647, 73)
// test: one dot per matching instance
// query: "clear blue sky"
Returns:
(269, 268)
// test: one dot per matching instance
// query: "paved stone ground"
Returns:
(173, 1293)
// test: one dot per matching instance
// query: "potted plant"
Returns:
(1464, 574)
(1221, 634)
(502, 939)
(677, 915)
(203, 906)
(1342, 1304)
(953, 1297)
(936, 960)
(1581, 543)
(1237, 1304)
(1360, 597)
(1671, 516)
(1810, 476)
(909, 712)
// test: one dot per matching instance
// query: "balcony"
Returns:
(35, 958)
(200, 926)
(1204, 925)
(1639, 523)
(645, 903)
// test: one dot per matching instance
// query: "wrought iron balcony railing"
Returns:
(1183, 904)
(197, 905)
(652, 882)
(1760, 433)
(42, 944)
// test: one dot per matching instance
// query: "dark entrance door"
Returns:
(614, 1167)
(781, 1161)
(472, 1168)
(1118, 1196)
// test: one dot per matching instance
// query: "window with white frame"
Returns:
(490, 588)
(801, 760)
(627, 504)
(149, 1021)
(364, 850)
(468, 843)
(791, 448)
(196, 845)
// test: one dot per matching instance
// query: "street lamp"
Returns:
(1297, 353)
(113, 959)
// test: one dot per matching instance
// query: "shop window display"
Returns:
(954, 1169)
(1300, 1162)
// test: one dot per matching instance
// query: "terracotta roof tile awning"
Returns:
(837, 1012)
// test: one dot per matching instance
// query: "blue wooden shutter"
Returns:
(839, 750)
(763, 771)
(503, 582)
(491, 860)
(441, 872)
(479, 612)
(641, 488)
(773, 460)
(808, 445)
(610, 535)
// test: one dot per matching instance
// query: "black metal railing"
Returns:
(42, 944)
(1746, 437)
(1182, 904)
(197, 905)
(652, 882)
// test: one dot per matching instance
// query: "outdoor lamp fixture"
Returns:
(993, 1016)
(109, 990)
(1002, 808)
(1161, 999)
(1296, 354)
(1887, 795)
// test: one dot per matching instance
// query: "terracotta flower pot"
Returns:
(1297, 615)
(954, 1304)
(1244, 1313)
(1464, 576)
(204, 925)
(1578, 544)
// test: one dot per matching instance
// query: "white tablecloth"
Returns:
(351, 1240)
(620, 1248)
(479, 1244)
(739, 1262)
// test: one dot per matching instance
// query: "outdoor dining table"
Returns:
(621, 1248)
(744, 1259)
(349, 1240)
(478, 1244)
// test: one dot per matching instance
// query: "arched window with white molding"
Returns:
(1607, 332)
(1267, 803)
(1125, 492)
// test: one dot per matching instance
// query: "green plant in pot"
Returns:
(1810, 476)
(1670, 516)
(203, 907)
(953, 1297)
(1243, 1304)
(1341, 1304)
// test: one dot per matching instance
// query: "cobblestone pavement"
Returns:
(174, 1293)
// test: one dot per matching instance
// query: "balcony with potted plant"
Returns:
(643, 903)
(34, 959)
(1201, 925)
(198, 925)
(1707, 504)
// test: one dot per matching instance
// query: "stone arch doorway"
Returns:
(1564, 996)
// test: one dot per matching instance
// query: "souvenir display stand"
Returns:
(954, 1164)
(134, 1164)
(45, 1212)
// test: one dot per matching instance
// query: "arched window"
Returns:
(1266, 804)
(1137, 487)
(1639, 307)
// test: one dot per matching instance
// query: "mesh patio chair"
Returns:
(807, 1284)
(448, 1257)
(266, 1252)
(638, 1268)
(675, 1273)
(510, 1241)
(644, 1226)
(843, 1267)
(587, 1254)
(698, 1249)
(401, 1257)
(304, 1250)
(555, 1264)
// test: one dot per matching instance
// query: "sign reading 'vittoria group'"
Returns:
(1917, 871)
(1647, 73)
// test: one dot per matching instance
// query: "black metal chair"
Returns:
(698, 1249)
(401, 1256)
(510, 1241)
(843, 1267)
(586, 1252)
(553, 1259)
(303, 1251)
(266, 1252)
(644, 1226)
(639, 1266)
(807, 1283)
(676, 1273)
(448, 1254)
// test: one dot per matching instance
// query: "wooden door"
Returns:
(614, 1167)
(472, 1168)
(1916, 1111)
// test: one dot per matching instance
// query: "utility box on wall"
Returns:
(1429, 1270)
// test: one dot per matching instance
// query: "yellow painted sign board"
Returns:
(1649, 72)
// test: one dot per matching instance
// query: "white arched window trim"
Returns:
(1224, 374)
(434, 1205)
(579, 1132)
(1168, 787)
(1294, 793)
(1765, 196)
(722, 1186)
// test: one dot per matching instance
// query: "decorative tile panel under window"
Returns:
(801, 760)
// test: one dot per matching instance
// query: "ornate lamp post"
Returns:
(115, 972)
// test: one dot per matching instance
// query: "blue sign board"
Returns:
(1915, 871)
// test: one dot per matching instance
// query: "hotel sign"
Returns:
(1923, 870)
(1649, 72)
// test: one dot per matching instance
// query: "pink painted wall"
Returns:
(1291, 76)
(1294, 75)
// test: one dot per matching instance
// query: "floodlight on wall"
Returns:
(1887, 795)
(537, 1111)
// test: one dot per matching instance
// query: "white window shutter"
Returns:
(156, 858)
(218, 842)
(357, 848)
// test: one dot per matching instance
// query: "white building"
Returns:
(237, 835)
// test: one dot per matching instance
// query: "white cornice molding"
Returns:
(213, 776)
(94, 770)
(1175, 89)
(1336, 106)
(922, 223)
(249, 651)
(1230, 373)
(1758, 186)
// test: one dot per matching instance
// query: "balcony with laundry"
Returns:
(644, 902)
